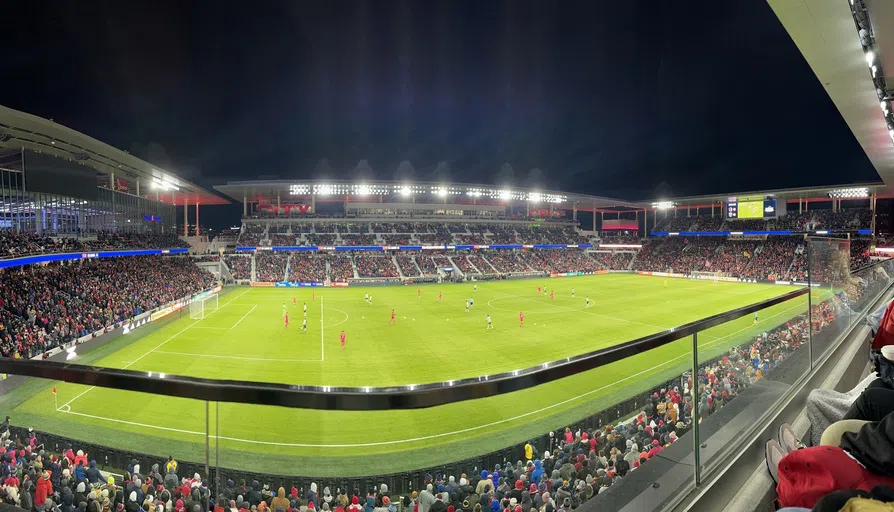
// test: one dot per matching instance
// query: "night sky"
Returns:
(634, 99)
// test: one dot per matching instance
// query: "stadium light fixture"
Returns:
(849, 193)
(405, 191)
(505, 195)
(535, 197)
(362, 190)
(324, 190)
(441, 192)
(663, 205)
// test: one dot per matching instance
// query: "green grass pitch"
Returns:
(431, 341)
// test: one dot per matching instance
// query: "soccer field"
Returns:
(432, 340)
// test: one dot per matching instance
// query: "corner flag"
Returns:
(54, 390)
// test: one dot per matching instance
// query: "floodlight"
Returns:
(534, 197)
(663, 205)
(362, 190)
(442, 192)
(405, 190)
(324, 190)
(505, 195)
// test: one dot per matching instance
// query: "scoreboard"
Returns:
(750, 208)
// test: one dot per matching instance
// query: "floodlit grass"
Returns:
(431, 341)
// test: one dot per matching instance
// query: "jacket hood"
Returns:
(281, 492)
(155, 468)
(537, 463)
(326, 491)
(81, 487)
(133, 496)
(92, 463)
(255, 485)
(313, 487)
(370, 501)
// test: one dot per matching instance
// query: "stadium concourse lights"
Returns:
(849, 193)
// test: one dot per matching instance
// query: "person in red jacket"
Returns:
(81, 459)
(44, 489)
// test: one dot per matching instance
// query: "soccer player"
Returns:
(521, 319)
(418, 293)
(572, 293)
(305, 310)
(294, 300)
(475, 287)
(284, 310)
(370, 299)
(393, 320)
(538, 289)
(366, 298)
(552, 295)
(489, 325)
(342, 338)
(286, 320)
(440, 297)
(755, 318)
(588, 301)
(304, 326)
(467, 306)
(472, 302)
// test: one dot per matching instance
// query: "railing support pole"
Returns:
(696, 416)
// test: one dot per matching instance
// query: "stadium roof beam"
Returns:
(20, 130)
(830, 40)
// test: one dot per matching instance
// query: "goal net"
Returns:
(707, 275)
(200, 308)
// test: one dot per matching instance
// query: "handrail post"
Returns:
(695, 414)
(809, 305)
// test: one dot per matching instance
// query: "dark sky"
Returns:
(634, 98)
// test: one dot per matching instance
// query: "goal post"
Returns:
(199, 308)
(714, 276)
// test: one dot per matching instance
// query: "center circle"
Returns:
(345, 319)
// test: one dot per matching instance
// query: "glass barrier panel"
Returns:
(833, 292)
(745, 366)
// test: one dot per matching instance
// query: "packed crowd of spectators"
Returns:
(270, 266)
(375, 266)
(357, 239)
(658, 255)
(341, 268)
(239, 265)
(696, 254)
(557, 260)
(309, 268)
(507, 261)
(615, 237)
(483, 266)
(733, 257)
(252, 234)
(407, 264)
(280, 239)
(15, 244)
(774, 258)
(426, 264)
(462, 261)
(320, 239)
(43, 306)
(402, 239)
(612, 260)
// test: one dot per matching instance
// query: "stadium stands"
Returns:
(271, 266)
(239, 265)
(375, 266)
(13, 244)
(307, 268)
(44, 306)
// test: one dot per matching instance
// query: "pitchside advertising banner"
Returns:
(296, 284)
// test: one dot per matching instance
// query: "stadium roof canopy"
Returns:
(828, 34)
(419, 191)
(19, 130)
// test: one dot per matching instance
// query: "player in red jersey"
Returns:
(440, 297)
(342, 338)
(286, 319)
(521, 319)
(294, 300)
(418, 293)
(552, 295)
(538, 290)
(392, 321)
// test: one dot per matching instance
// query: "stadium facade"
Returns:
(56, 180)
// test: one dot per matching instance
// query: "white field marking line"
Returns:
(322, 328)
(243, 317)
(217, 356)
(433, 436)
(128, 365)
